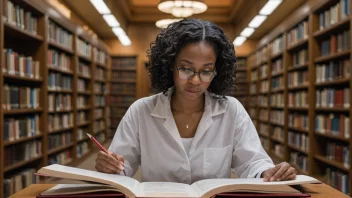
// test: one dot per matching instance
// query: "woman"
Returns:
(190, 131)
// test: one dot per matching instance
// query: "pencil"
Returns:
(101, 147)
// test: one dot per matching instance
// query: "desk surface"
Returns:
(315, 190)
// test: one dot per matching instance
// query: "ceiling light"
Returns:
(182, 8)
(125, 41)
(247, 32)
(111, 20)
(257, 21)
(118, 31)
(100, 6)
(269, 7)
(165, 22)
(239, 40)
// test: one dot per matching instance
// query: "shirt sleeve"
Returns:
(249, 157)
(126, 141)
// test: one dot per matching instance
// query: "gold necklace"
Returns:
(187, 125)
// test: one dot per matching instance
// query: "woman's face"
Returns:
(198, 57)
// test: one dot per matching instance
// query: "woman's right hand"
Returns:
(109, 163)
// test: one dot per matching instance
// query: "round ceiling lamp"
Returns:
(182, 8)
(165, 22)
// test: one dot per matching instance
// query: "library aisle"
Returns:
(68, 68)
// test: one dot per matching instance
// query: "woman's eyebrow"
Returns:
(189, 62)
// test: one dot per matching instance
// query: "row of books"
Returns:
(19, 181)
(18, 16)
(99, 126)
(60, 121)
(98, 112)
(337, 179)
(278, 133)
(82, 101)
(82, 133)
(58, 81)
(83, 70)
(122, 99)
(82, 85)
(59, 35)
(263, 114)
(299, 57)
(254, 75)
(123, 62)
(241, 76)
(299, 160)
(277, 117)
(264, 86)
(123, 75)
(298, 78)
(279, 150)
(82, 149)
(59, 60)
(101, 137)
(330, 97)
(17, 153)
(298, 99)
(99, 88)
(263, 71)
(84, 48)
(122, 87)
(118, 111)
(334, 14)
(21, 127)
(338, 152)
(265, 142)
(334, 124)
(277, 66)
(336, 43)
(100, 56)
(261, 56)
(82, 117)
(20, 97)
(299, 140)
(264, 129)
(63, 157)
(334, 70)
(99, 101)
(277, 100)
(262, 101)
(59, 139)
(298, 120)
(59, 102)
(277, 82)
(298, 33)
(100, 74)
(277, 45)
(20, 65)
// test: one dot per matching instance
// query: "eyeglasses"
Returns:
(188, 74)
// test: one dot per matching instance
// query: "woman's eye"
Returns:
(207, 73)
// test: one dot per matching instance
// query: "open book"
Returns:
(132, 188)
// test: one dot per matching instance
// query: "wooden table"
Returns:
(315, 190)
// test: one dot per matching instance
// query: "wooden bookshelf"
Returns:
(42, 110)
(123, 87)
(242, 90)
(306, 91)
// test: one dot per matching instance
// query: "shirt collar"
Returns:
(162, 108)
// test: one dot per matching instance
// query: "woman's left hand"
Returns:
(282, 171)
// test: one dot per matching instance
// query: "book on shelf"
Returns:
(132, 188)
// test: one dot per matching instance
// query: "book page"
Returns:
(70, 189)
(166, 189)
(118, 181)
(204, 186)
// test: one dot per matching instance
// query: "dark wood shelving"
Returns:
(298, 87)
(277, 140)
(298, 67)
(336, 164)
(60, 91)
(335, 137)
(297, 148)
(123, 94)
(334, 82)
(100, 80)
(297, 45)
(101, 65)
(84, 108)
(83, 124)
(21, 78)
(23, 139)
(335, 109)
(84, 77)
(84, 57)
(299, 170)
(58, 69)
(297, 108)
(22, 111)
(84, 92)
(60, 148)
(20, 164)
(60, 47)
(332, 28)
(61, 111)
(332, 56)
(302, 130)
(277, 74)
(124, 81)
(60, 130)
(17, 32)
(277, 55)
(124, 69)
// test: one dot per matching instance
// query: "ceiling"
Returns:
(236, 13)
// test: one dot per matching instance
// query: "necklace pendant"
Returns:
(187, 126)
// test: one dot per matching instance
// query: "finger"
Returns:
(291, 177)
(290, 171)
(271, 172)
(120, 159)
(283, 168)
(110, 159)
(105, 169)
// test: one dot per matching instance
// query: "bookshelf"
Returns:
(241, 91)
(311, 53)
(40, 99)
(123, 87)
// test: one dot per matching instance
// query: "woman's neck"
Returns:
(180, 104)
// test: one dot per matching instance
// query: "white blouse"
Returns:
(225, 139)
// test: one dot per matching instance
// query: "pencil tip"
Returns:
(89, 135)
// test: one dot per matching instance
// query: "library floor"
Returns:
(88, 164)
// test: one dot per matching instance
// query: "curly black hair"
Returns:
(164, 50)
